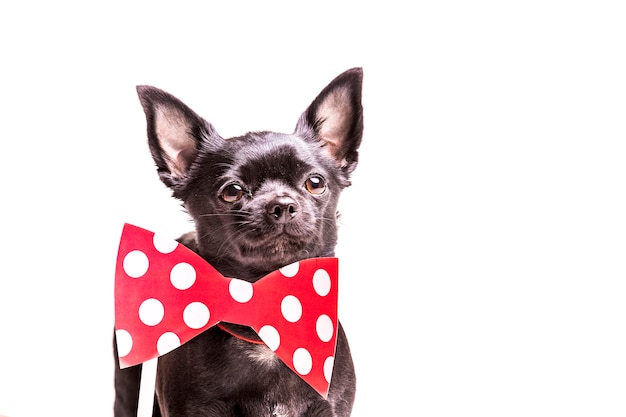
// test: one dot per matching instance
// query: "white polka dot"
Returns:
(167, 343)
(240, 290)
(270, 336)
(302, 361)
(136, 264)
(124, 342)
(328, 368)
(290, 270)
(183, 276)
(164, 244)
(196, 315)
(291, 308)
(151, 312)
(321, 282)
(324, 327)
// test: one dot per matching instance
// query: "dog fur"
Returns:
(259, 202)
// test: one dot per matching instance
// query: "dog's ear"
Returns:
(336, 118)
(175, 134)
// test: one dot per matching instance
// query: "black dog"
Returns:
(259, 202)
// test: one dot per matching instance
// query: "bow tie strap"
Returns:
(166, 294)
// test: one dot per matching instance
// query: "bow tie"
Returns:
(166, 294)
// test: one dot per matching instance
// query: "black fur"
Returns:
(257, 206)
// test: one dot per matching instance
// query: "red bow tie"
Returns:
(165, 294)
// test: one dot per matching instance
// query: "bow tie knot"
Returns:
(166, 294)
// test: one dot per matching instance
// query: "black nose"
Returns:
(282, 209)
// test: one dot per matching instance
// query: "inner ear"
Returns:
(175, 133)
(334, 120)
(175, 138)
(336, 117)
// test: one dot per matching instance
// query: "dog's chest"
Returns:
(280, 410)
(261, 355)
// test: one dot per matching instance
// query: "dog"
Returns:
(259, 202)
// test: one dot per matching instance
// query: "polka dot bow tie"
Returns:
(166, 294)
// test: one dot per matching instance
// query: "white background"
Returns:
(483, 240)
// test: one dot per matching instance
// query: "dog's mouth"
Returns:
(252, 245)
(277, 246)
(281, 245)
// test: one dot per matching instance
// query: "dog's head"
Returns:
(262, 200)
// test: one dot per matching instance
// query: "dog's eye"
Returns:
(232, 193)
(315, 185)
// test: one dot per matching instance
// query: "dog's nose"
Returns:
(282, 209)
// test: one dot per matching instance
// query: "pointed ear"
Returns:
(175, 133)
(336, 118)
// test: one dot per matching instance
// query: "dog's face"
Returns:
(262, 200)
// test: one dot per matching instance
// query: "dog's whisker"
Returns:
(224, 214)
